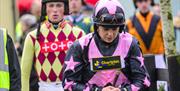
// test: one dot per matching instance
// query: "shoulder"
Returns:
(66, 26)
(128, 39)
(125, 36)
(156, 17)
(75, 48)
(31, 36)
(134, 44)
(9, 39)
(130, 43)
(129, 21)
(87, 20)
(33, 33)
(74, 28)
(78, 31)
(83, 41)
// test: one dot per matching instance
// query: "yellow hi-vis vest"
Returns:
(4, 68)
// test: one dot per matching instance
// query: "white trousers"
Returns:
(53, 86)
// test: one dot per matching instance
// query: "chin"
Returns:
(56, 21)
(108, 41)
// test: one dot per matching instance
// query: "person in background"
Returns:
(35, 10)
(45, 47)
(77, 18)
(147, 28)
(109, 59)
(177, 31)
(156, 9)
(29, 23)
(87, 10)
(10, 73)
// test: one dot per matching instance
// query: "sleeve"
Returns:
(78, 32)
(73, 71)
(14, 68)
(26, 62)
(138, 75)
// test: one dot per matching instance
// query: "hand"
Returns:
(115, 89)
(110, 88)
(17, 45)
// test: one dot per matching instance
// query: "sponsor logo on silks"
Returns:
(106, 63)
(55, 46)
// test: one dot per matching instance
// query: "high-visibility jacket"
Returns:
(4, 68)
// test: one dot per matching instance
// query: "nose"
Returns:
(74, 3)
(110, 32)
(54, 9)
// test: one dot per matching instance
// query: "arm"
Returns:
(26, 62)
(14, 68)
(138, 74)
(74, 75)
(73, 68)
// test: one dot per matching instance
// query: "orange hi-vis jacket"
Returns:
(148, 31)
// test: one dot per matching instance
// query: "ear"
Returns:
(97, 28)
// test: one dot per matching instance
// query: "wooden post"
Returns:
(173, 59)
(168, 30)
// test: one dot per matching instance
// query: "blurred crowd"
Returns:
(30, 11)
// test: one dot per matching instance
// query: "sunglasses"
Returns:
(117, 18)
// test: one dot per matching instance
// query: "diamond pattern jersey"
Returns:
(48, 63)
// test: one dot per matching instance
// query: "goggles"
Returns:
(116, 19)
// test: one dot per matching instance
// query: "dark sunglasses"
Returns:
(117, 18)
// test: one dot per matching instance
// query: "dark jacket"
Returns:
(78, 78)
(14, 68)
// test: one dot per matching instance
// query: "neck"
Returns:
(75, 13)
(55, 22)
(144, 14)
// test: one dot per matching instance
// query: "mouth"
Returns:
(55, 16)
(109, 39)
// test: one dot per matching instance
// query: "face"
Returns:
(24, 26)
(75, 6)
(108, 34)
(156, 9)
(36, 8)
(143, 5)
(55, 11)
